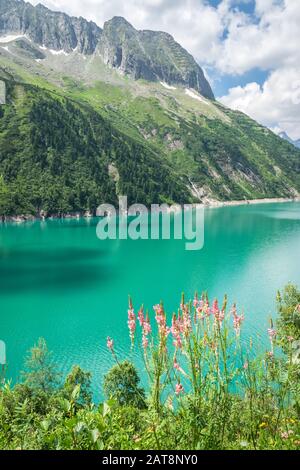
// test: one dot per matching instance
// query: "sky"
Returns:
(249, 49)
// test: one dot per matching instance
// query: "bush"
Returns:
(122, 384)
(289, 311)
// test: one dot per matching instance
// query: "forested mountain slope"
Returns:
(59, 156)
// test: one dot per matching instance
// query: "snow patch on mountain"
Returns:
(11, 38)
(53, 51)
(61, 52)
(194, 95)
(168, 87)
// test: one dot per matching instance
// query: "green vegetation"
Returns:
(4, 196)
(55, 156)
(122, 385)
(224, 153)
(207, 390)
(289, 320)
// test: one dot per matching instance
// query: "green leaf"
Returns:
(79, 427)
(106, 409)
(66, 405)
(95, 435)
(45, 424)
(76, 392)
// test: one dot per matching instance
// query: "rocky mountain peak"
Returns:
(54, 30)
(150, 55)
(118, 21)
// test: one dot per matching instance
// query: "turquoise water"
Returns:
(57, 280)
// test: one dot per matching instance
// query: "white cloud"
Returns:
(271, 43)
(276, 104)
(268, 42)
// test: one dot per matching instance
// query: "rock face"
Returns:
(53, 30)
(141, 54)
(150, 55)
(29, 50)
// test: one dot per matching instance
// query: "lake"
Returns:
(60, 282)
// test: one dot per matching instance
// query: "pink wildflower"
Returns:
(145, 342)
(147, 327)
(159, 317)
(161, 322)
(110, 343)
(187, 325)
(200, 316)
(290, 339)
(185, 321)
(272, 333)
(219, 316)
(179, 389)
(237, 320)
(180, 324)
(177, 367)
(206, 309)
(131, 323)
(141, 316)
(157, 308)
(176, 330)
(215, 308)
(234, 310)
(177, 342)
(246, 365)
(175, 326)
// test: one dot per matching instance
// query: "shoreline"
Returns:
(211, 204)
(248, 202)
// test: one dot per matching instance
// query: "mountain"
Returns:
(59, 156)
(142, 54)
(284, 136)
(121, 115)
(50, 29)
(150, 55)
